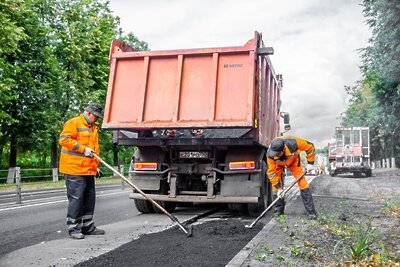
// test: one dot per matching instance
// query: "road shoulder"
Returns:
(347, 206)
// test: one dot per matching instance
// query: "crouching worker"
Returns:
(79, 140)
(285, 152)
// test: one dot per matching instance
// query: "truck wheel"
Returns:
(167, 205)
(144, 206)
(265, 195)
(368, 173)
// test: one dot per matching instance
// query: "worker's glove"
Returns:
(279, 193)
(309, 168)
(88, 152)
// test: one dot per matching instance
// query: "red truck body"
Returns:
(195, 115)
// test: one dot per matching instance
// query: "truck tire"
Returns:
(368, 173)
(144, 206)
(167, 205)
(265, 198)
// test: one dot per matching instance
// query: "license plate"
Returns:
(193, 154)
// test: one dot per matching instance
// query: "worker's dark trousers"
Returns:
(308, 200)
(280, 206)
(81, 195)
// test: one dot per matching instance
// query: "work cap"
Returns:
(275, 148)
(95, 109)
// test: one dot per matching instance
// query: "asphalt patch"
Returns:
(213, 243)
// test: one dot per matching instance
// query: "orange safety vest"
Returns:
(291, 159)
(76, 135)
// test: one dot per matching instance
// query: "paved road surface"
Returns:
(35, 234)
(43, 219)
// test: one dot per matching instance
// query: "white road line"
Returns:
(54, 202)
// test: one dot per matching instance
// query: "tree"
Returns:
(11, 34)
(134, 42)
(54, 60)
(381, 58)
(82, 34)
(383, 17)
(30, 69)
(375, 102)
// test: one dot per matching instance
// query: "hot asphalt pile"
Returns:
(213, 243)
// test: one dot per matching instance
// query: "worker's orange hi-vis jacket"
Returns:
(290, 159)
(76, 135)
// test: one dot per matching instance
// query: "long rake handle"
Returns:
(273, 203)
(172, 217)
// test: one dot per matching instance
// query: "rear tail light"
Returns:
(242, 165)
(145, 166)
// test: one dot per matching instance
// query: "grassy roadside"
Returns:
(51, 184)
(338, 238)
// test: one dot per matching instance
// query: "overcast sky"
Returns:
(315, 44)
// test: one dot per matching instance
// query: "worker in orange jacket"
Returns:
(79, 140)
(285, 152)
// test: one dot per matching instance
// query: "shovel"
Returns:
(282, 195)
(188, 231)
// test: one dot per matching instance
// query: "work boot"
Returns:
(312, 215)
(76, 235)
(96, 231)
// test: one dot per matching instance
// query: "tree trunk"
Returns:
(1, 153)
(115, 153)
(392, 144)
(54, 152)
(13, 151)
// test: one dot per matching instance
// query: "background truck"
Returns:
(201, 120)
(350, 153)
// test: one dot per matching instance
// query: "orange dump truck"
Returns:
(201, 120)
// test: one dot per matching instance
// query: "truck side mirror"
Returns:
(286, 118)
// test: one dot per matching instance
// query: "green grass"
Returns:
(361, 243)
(51, 184)
(392, 208)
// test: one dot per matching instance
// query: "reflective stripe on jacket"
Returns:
(291, 159)
(76, 135)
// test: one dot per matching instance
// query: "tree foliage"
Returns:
(54, 59)
(383, 53)
(375, 102)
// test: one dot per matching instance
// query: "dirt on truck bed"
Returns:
(358, 223)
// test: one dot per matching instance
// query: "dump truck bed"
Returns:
(226, 87)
